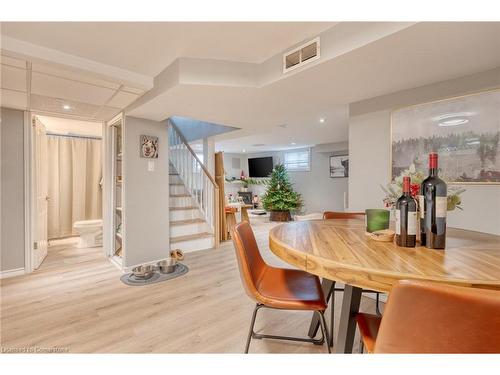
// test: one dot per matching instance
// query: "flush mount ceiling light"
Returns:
(66, 107)
(322, 120)
(243, 150)
(293, 143)
(453, 122)
(453, 119)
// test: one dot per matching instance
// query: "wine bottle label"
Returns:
(421, 206)
(398, 222)
(441, 206)
(412, 223)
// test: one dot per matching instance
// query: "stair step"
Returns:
(183, 208)
(173, 174)
(176, 183)
(190, 237)
(186, 222)
(185, 195)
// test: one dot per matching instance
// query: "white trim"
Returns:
(28, 194)
(11, 273)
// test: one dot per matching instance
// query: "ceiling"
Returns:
(275, 112)
(149, 47)
(418, 55)
(57, 90)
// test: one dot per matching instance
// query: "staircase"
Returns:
(193, 198)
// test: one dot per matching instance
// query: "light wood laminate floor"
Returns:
(77, 302)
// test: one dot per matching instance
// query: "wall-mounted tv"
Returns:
(260, 167)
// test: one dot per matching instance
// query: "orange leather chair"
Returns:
(277, 288)
(423, 317)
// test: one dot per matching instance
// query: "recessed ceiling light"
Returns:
(66, 107)
(243, 150)
(293, 143)
(322, 120)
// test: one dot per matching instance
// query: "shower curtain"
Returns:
(74, 176)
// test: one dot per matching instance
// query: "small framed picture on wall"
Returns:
(149, 147)
(339, 166)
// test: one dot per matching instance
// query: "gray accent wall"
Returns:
(319, 191)
(370, 148)
(146, 216)
(12, 189)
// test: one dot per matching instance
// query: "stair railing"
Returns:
(198, 181)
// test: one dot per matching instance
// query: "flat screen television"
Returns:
(260, 167)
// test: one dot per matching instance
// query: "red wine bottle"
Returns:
(406, 217)
(433, 206)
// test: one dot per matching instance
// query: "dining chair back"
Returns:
(250, 262)
(277, 288)
(327, 215)
(423, 317)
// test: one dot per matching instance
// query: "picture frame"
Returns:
(148, 147)
(339, 166)
(463, 130)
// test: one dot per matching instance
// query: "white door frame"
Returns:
(29, 191)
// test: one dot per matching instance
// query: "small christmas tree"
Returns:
(280, 196)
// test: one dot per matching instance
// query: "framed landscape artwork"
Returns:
(464, 131)
(339, 166)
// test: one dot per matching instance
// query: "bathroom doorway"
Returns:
(67, 189)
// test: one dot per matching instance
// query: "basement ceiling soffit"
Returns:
(336, 41)
(16, 48)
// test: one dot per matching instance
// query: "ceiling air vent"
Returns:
(301, 55)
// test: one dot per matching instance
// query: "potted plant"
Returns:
(280, 198)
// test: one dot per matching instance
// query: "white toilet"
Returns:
(90, 232)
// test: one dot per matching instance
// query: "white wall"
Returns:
(12, 189)
(370, 147)
(146, 225)
(319, 191)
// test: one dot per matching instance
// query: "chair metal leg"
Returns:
(361, 346)
(332, 318)
(324, 330)
(251, 334)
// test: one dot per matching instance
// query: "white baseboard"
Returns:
(11, 273)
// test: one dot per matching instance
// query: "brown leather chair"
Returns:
(423, 317)
(328, 215)
(277, 288)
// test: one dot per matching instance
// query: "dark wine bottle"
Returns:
(406, 217)
(433, 206)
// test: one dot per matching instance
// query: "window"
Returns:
(298, 160)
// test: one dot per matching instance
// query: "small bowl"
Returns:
(144, 272)
(167, 265)
(385, 235)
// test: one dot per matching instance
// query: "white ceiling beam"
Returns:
(35, 52)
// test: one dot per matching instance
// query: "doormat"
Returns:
(158, 277)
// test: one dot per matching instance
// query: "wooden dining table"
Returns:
(339, 251)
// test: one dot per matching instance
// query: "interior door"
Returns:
(40, 192)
